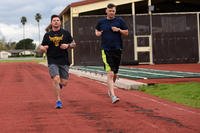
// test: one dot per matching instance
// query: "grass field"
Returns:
(37, 60)
(183, 93)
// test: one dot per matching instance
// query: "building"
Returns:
(20, 52)
(160, 31)
(4, 54)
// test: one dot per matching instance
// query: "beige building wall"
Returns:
(75, 11)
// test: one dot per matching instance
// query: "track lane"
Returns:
(27, 105)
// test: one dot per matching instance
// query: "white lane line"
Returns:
(178, 108)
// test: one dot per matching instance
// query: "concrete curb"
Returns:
(120, 83)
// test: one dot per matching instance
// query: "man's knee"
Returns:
(110, 74)
(56, 79)
(63, 82)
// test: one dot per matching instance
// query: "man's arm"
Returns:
(72, 44)
(44, 45)
(69, 45)
(44, 48)
(123, 32)
(98, 33)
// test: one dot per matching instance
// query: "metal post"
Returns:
(134, 32)
(150, 42)
(72, 14)
(149, 4)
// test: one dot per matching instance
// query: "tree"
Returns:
(2, 47)
(37, 18)
(25, 44)
(23, 21)
(2, 44)
(10, 45)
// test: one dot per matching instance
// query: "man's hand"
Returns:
(115, 29)
(64, 46)
(123, 32)
(98, 33)
(44, 48)
(70, 45)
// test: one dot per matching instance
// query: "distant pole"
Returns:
(23, 21)
(39, 32)
(24, 37)
(38, 17)
(23, 32)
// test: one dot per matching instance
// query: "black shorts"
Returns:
(111, 60)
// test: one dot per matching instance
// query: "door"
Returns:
(143, 39)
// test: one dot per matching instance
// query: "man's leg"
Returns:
(64, 75)
(115, 77)
(111, 77)
(110, 83)
(54, 72)
(56, 82)
(63, 83)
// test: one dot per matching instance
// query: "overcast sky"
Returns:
(11, 12)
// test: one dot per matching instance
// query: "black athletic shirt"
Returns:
(56, 55)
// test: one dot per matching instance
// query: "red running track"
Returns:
(27, 106)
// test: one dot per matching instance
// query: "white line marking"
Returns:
(156, 101)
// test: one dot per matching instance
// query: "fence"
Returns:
(160, 38)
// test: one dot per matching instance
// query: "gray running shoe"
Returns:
(115, 99)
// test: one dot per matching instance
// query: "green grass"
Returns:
(22, 60)
(183, 93)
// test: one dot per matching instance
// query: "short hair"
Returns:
(111, 5)
(56, 16)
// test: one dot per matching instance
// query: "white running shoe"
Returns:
(115, 99)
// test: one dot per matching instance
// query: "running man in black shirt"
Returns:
(56, 44)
